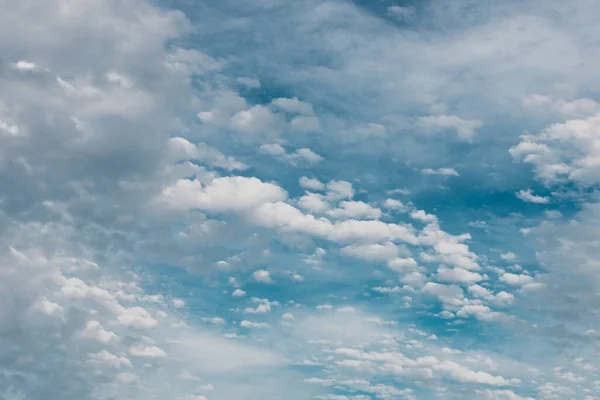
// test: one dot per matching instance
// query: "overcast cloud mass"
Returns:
(317, 199)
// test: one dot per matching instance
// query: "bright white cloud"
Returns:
(300, 156)
(445, 274)
(253, 324)
(255, 120)
(528, 197)
(233, 193)
(355, 210)
(440, 171)
(563, 152)
(293, 105)
(262, 276)
(311, 183)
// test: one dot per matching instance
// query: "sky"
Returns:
(277, 199)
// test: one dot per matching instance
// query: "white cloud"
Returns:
(308, 155)
(137, 317)
(314, 203)
(528, 197)
(516, 279)
(324, 307)
(9, 128)
(147, 351)
(127, 378)
(238, 293)
(510, 256)
(499, 299)
(264, 306)
(376, 252)
(255, 325)
(563, 152)
(338, 190)
(576, 108)
(503, 394)
(355, 210)
(402, 264)
(178, 303)
(105, 358)
(255, 120)
(182, 149)
(273, 149)
(311, 183)
(234, 193)
(385, 290)
(300, 156)
(214, 320)
(463, 374)
(50, 308)
(25, 65)
(440, 171)
(465, 129)
(288, 218)
(423, 216)
(446, 274)
(394, 204)
(293, 105)
(94, 331)
(262, 276)
(446, 293)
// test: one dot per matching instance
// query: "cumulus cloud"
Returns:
(311, 183)
(182, 149)
(262, 276)
(440, 171)
(253, 324)
(563, 152)
(255, 120)
(527, 196)
(233, 193)
(355, 210)
(575, 108)
(117, 206)
(293, 105)
(445, 274)
(299, 157)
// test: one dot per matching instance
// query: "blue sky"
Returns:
(335, 200)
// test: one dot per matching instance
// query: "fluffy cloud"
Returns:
(311, 183)
(575, 108)
(300, 156)
(445, 274)
(262, 276)
(355, 210)
(233, 193)
(118, 204)
(255, 120)
(440, 171)
(182, 149)
(528, 197)
(563, 151)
